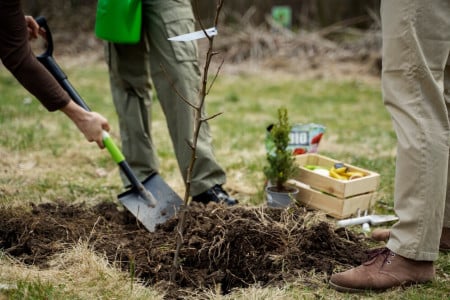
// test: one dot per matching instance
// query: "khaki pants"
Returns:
(132, 68)
(416, 91)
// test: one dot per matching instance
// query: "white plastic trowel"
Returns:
(191, 36)
(370, 219)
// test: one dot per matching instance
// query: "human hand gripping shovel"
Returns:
(152, 202)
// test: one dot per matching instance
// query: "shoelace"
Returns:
(373, 254)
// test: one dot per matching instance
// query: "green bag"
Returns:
(119, 21)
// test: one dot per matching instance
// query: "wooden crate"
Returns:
(337, 198)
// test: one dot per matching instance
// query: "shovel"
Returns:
(152, 202)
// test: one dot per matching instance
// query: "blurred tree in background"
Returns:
(306, 14)
(72, 22)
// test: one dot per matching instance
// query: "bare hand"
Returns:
(92, 127)
(33, 28)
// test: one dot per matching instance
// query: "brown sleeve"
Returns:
(18, 58)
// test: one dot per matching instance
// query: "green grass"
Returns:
(36, 290)
(44, 158)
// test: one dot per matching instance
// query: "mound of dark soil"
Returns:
(234, 247)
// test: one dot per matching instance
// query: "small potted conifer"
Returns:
(281, 162)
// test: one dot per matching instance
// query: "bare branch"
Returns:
(215, 76)
(211, 117)
(218, 9)
(198, 108)
(188, 142)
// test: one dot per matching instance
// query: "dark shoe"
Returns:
(215, 194)
(384, 270)
(382, 235)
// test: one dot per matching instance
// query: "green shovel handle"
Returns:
(115, 152)
(119, 158)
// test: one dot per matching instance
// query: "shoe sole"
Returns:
(344, 289)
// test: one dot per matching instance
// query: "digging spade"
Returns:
(152, 201)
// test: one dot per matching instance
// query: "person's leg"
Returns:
(416, 45)
(444, 245)
(175, 72)
(131, 92)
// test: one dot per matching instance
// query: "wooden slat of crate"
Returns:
(339, 188)
(333, 206)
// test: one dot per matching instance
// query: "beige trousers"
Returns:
(416, 91)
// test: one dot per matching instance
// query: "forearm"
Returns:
(91, 124)
(18, 58)
(75, 112)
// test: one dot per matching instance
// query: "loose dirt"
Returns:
(231, 246)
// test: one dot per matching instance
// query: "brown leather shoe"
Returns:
(384, 270)
(382, 235)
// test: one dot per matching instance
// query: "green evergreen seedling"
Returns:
(280, 160)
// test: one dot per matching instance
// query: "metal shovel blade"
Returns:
(167, 205)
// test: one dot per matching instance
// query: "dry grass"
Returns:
(82, 273)
(65, 167)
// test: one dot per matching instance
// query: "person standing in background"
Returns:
(132, 68)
